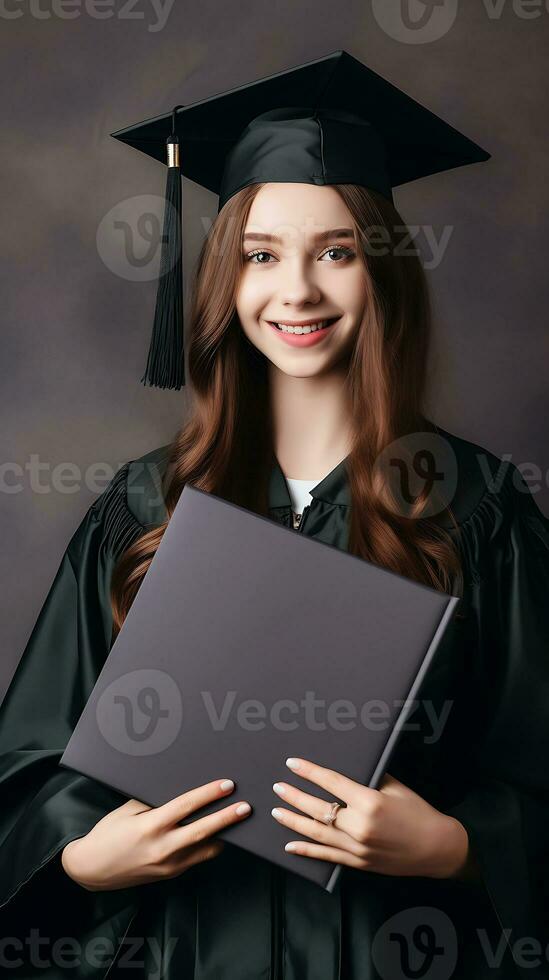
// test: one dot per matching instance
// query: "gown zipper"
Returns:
(277, 963)
(299, 525)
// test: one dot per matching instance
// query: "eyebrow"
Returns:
(251, 236)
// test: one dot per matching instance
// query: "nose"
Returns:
(298, 285)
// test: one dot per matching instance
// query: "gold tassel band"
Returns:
(173, 154)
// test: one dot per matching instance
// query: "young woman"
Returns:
(444, 865)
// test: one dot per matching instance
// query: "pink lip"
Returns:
(303, 339)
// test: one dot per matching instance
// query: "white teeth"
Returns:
(311, 328)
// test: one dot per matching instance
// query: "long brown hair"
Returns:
(226, 447)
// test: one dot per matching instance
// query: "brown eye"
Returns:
(251, 255)
(345, 253)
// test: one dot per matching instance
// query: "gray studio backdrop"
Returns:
(77, 309)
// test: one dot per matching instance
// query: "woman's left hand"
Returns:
(390, 830)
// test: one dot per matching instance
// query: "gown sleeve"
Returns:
(506, 807)
(44, 806)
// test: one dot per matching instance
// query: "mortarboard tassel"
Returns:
(166, 359)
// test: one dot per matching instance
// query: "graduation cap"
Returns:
(329, 121)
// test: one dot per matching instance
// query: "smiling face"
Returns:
(301, 269)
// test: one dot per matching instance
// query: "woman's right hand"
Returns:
(135, 843)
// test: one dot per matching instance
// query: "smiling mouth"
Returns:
(309, 328)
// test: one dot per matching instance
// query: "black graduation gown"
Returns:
(241, 917)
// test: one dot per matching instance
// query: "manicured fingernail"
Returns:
(293, 763)
(291, 846)
(276, 812)
(279, 788)
(243, 808)
(227, 784)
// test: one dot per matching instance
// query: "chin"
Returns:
(301, 371)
